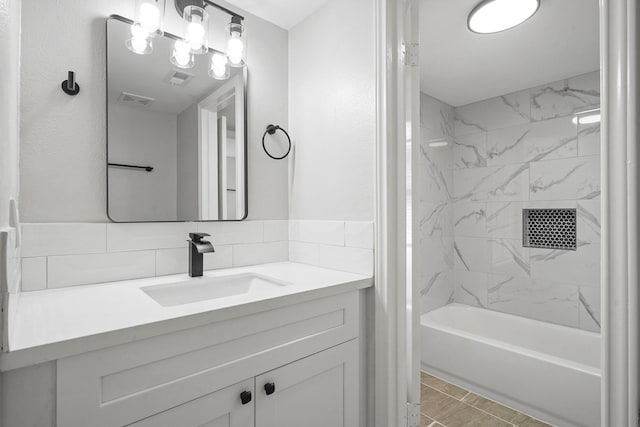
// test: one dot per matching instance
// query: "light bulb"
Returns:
(219, 67)
(586, 119)
(181, 55)
(236, 42)
(149, 17)
(235, 50)
(139, 44)
(195, 36)
(139, 32)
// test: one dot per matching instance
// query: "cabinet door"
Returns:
(317, 391)
(223, 408)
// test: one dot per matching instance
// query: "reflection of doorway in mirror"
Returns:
(221, 180)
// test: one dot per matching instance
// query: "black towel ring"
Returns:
(271, 129)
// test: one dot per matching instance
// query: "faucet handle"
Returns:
(197, 237)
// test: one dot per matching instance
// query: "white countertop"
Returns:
(56, 323)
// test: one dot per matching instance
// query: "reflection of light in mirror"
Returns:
(140, 42)
(181, 55)
(492, 16)
(586, 119)
(438, 143)
(219, 67)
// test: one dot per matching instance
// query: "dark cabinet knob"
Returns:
(245, 397)
(270, 388)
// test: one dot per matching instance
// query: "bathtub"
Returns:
(548, 371)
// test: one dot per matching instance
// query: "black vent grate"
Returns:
(549, 228)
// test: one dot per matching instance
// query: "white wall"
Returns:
(142, 138)
(9, 102)
(9, 133)
(62, 168)
(332, 112)
(188, 165)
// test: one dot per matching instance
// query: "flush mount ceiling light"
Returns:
(494, 16)
(148, 23)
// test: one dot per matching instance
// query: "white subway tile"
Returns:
(260, 253)
(63, 239)
(175, 261)
(358, 234)
(276, 231)
(221, 258)
(352, 260)
(34, 274)
(9, 262)
(304, 253)
(135, 237)
(172, 261)
(229, 233)
(71, 270)
(323, 232)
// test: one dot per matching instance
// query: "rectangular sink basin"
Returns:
(208, 288)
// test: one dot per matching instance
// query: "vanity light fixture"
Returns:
(494, 16)
(148, 23)
(235, 42)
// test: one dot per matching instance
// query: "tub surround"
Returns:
(55, 323)
(517, 151)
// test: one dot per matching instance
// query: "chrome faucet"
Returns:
(198, 247)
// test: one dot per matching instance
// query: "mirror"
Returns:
(176, 138)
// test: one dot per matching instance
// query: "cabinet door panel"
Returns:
(222, 408)
(317, 391)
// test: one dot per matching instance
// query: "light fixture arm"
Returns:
(181, 4)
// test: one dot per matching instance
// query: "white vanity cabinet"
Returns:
(318, 391)
(308, 351)
(223, 408)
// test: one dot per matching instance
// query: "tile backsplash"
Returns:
(69, 254)
(516, 151)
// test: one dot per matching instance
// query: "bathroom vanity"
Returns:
(283, 349)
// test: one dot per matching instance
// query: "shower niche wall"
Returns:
(481, 164)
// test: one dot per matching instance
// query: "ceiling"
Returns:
(283, 13)
(460, 67)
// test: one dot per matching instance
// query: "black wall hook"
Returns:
(69, 86)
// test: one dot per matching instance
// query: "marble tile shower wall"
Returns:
(435, 204)
(517, 151)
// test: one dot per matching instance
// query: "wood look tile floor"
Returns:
(446, 405)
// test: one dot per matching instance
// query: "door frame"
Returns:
(619, 41)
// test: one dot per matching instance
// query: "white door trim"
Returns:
(390, 217)
(620, 196)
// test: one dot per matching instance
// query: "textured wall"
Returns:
(522, 150)
(62, 169)
(332, 113)
(9, 84)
